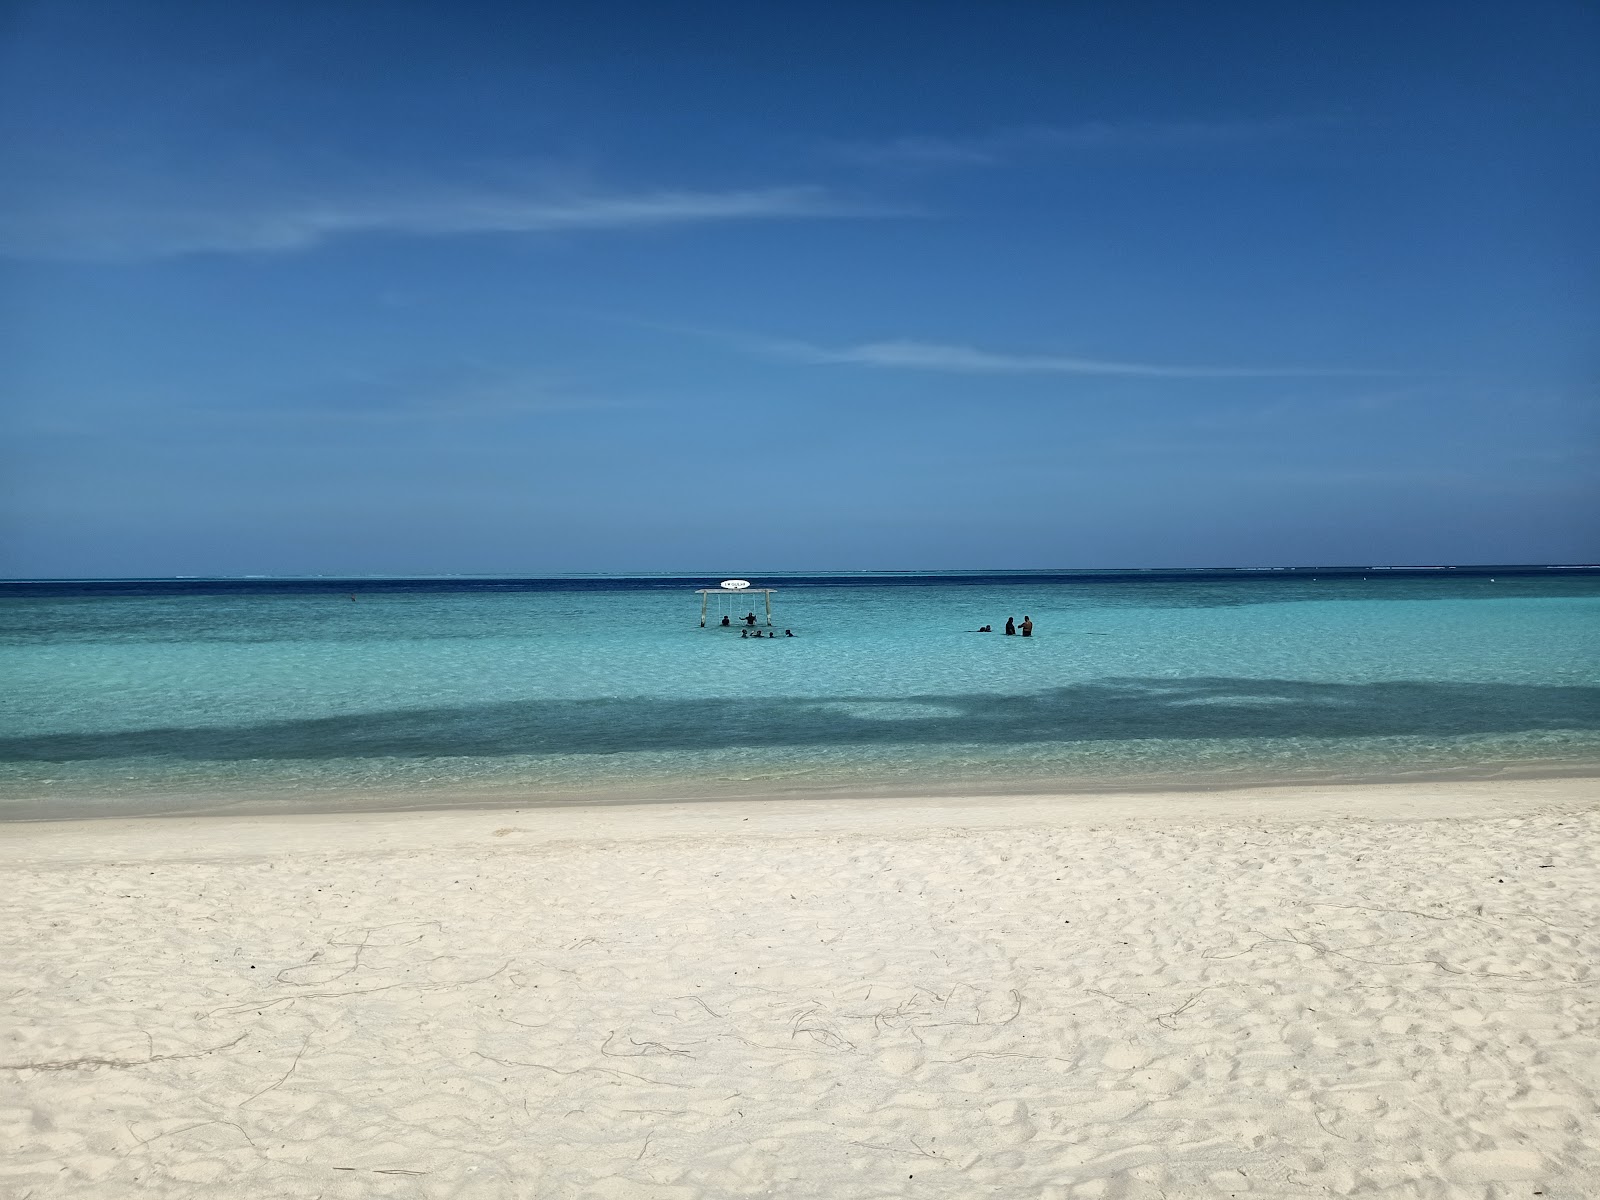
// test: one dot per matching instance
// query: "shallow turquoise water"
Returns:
(171, 700)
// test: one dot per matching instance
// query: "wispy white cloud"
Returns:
(118, 225)
(933, 356)
(1006, 145)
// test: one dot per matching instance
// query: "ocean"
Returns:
(171, 696)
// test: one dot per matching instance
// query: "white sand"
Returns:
(1378, 991)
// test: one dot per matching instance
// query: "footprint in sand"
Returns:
(1494, 1166)
(1126, 1056)
(1011, 1124)
(797, 1070)
(901, 1061)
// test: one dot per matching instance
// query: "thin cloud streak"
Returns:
(930, 356)
(135, 231)
(1005, 145)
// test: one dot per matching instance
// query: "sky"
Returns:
(427, 288)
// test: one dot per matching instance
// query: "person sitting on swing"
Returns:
(725, 621)
(750, 619)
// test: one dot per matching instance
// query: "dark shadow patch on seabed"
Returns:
(1104, 710)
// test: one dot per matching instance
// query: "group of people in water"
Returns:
(750, 631)
(1011, 627)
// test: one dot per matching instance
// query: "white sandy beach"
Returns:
(1378, 991)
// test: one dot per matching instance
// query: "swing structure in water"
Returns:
(727, 590)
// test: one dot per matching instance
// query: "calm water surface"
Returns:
(179, 696)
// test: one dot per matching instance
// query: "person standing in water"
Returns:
(1011, 626)
(1027, 626)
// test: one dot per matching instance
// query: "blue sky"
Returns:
(401, 287)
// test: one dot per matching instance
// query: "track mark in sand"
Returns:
(143, 1142)
(517, 1062)
(987, 1054)
(817, 1029)
(285, 1075)
(1318, 1118)
(898, 1149)
(360, 947)
(263, 1005)
(523, 1024)
(1169, 1020)
(646, 1049)
(1328, 951)
(704, 1005)
(1410, 912)
(73, 1064)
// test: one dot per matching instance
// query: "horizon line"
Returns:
(803, 573)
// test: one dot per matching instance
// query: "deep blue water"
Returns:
(161, 695)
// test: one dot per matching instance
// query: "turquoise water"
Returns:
(186, 696)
